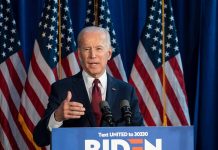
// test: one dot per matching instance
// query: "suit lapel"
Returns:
(82, 96)
(78, 86)
(112, 90)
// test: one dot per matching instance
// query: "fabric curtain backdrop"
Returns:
(207, 84)
(197, 23)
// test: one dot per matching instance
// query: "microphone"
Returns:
(126, 112)
(106, 113)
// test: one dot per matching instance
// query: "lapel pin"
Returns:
(114, 89)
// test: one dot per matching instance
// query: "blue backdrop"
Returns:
(197, 25)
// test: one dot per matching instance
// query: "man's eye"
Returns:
(99, 49)
(86, 49)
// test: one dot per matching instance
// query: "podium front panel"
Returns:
(123, 138)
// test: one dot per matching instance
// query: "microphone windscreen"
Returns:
(124, 103)
(106, 113)
(104, 104)
(126, 112)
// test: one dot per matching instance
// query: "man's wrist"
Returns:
(58, 119)
(53, 123)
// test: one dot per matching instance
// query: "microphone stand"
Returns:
(111, 124)
(129, 123)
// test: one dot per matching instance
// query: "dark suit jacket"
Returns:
(117, 90)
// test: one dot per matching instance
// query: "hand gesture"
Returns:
(69, 109)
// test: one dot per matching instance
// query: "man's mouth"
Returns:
(93, 63)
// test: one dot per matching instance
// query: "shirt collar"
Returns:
(89, 79)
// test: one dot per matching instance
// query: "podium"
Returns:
(123, 138)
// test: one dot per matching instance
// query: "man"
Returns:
(72, 100)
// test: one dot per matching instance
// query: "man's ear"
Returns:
(79, 55)
(109, 53)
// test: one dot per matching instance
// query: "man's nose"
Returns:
(92, 53)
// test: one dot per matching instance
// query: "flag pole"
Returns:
(59, 40)
(96, 12)
(163, 65)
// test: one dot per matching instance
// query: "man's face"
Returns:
(94, 52)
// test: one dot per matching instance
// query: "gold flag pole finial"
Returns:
(59, 40)
(163, 65)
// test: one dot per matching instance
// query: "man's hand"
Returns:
(69, 109)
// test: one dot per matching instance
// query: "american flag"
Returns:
(146, 74)
(12, 79)
(115, 65)
(43, 70)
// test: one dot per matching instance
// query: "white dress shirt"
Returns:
(89, 85)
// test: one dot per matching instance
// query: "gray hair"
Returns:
(94, 29)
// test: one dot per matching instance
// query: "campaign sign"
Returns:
(123, 138)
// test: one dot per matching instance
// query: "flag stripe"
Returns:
(178, 115)
(170, 102)
(155, 105)
(73, 62)
(153, 75)
(66, 67)
(113, 69)
(22, 60)
(149, 85)
(175, 80)
(173, 99)
(25, 117)
(37, 90)
(3, 136)
(45, 69)
(5, 126)
(40, 75)
(178, 73)
(115, 66)
(12, 120)
(144, 110)
(14, 125)
(145, 64)
(8, 89)
(34, 98)
(144, 93)
(14, 76)
(18, 62)
(70, 65)
(8, 104)
(119, 64)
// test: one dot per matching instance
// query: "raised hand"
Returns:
(69, 109)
